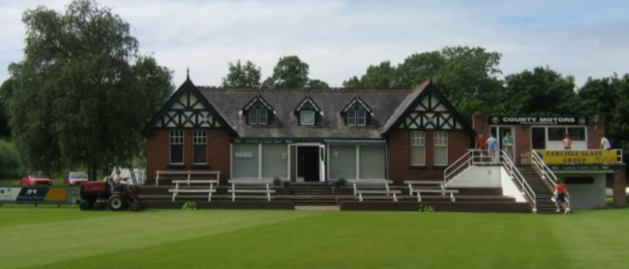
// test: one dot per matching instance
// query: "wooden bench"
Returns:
(371, 187)
(194, 186)
(187, 175)
(442, 192)
(437, 183)
(251, 186)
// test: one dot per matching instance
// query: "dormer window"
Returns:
(356, 117)
(258, 111)
(258, 116)
(307, 112)
(357, 113)
(307, 117)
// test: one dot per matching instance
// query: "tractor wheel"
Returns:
(116, 203)
(86, 205)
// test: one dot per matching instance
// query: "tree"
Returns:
(417, 67)
(380, 76)
(6, 90)
(83, 91)
(239, 75)
(290, 71)
(541, 91)
(618, 118)
(598, 96)
(317, 84)
(466, 75)
(352, 83)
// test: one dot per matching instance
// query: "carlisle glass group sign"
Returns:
(578, 156)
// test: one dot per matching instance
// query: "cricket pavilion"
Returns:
(390, 149)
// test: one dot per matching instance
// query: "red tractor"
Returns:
(115, 196)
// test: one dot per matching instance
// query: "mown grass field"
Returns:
(67, 238)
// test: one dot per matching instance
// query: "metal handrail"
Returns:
(517, 176)
(456, 165)
(546, 173)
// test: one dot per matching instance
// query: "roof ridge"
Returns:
(335, 89)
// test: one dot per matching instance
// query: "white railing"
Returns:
(545, 172)
(457, 166)
(516, 176)
(471, 157)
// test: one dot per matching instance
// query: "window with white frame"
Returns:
(176, 146)
(199, 140)
(307, 117)
(441, 148)
(356, 117)
(258, 116)
(418, 148)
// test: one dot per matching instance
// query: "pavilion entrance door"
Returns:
(499, 132)
(308, 163)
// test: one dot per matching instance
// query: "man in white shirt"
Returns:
(605, 143)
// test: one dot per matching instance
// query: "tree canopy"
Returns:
(291, 72)
(247, 75)
(525, 91)
(83, 91)
(466, 75)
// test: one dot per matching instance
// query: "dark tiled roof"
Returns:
(230, 102)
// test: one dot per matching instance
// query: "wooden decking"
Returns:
(316, 194)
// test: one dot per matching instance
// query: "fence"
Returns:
(36, 195)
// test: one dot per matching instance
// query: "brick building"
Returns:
(307, 135)
(316, 135)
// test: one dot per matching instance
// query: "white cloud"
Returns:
(340, 39)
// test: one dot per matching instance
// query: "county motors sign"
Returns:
(516, 120)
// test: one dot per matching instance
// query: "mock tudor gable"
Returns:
(427, 109)
(187, 108)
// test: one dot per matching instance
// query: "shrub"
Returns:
(189, 205)
(10, 161)
(277, 181)
(341, 182)
(426, 208)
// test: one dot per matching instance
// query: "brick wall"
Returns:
(399, 153)
(157, 153)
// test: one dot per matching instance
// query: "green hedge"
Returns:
(11, 166)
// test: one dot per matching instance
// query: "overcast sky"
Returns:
(339, 39)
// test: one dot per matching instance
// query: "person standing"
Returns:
(492, 146)
(507, 143)
(567, 142)
(605, 145)
(560, 200)
(480, 145)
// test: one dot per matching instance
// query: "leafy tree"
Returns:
(290, 71)
(317, 84)
(5, 92)
(618, 119)
(352, 83)
(466, 75)
(468, 79)
(239, 75)
(541, 91)
(83, 91)
(380, 76)
(598, 96)
(417, 67)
